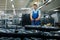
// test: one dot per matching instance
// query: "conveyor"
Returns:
(33, 32)
(42, 28)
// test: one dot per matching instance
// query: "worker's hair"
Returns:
(34, 4)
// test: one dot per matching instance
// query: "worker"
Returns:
(35, 15)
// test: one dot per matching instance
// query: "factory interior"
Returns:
(16, 23)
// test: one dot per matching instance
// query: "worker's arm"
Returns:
(31, 16)
(39, 16)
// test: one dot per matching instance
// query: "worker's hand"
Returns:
(32, 19)
(36, 19)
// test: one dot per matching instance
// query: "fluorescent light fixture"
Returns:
(12, 6)
(35, 3)
(25, 8)
(14, 12)
(11, 0)
(41, 7)
(49, 0)
(56, 10)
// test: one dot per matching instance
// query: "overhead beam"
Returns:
(54, 4)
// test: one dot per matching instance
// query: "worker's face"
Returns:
(35, 6)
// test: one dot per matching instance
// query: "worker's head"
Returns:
(35, 6)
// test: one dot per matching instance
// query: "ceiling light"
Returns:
(11, 0)
(25, 8)
(35, 3)
(49, 0)
(56, 10)
(14, 12)
(12, 6)
(41, 7)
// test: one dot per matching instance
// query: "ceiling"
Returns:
(52, 6)
(7, 4)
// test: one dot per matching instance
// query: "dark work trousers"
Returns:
(34, 22)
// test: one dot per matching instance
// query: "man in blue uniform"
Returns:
(35, 15)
